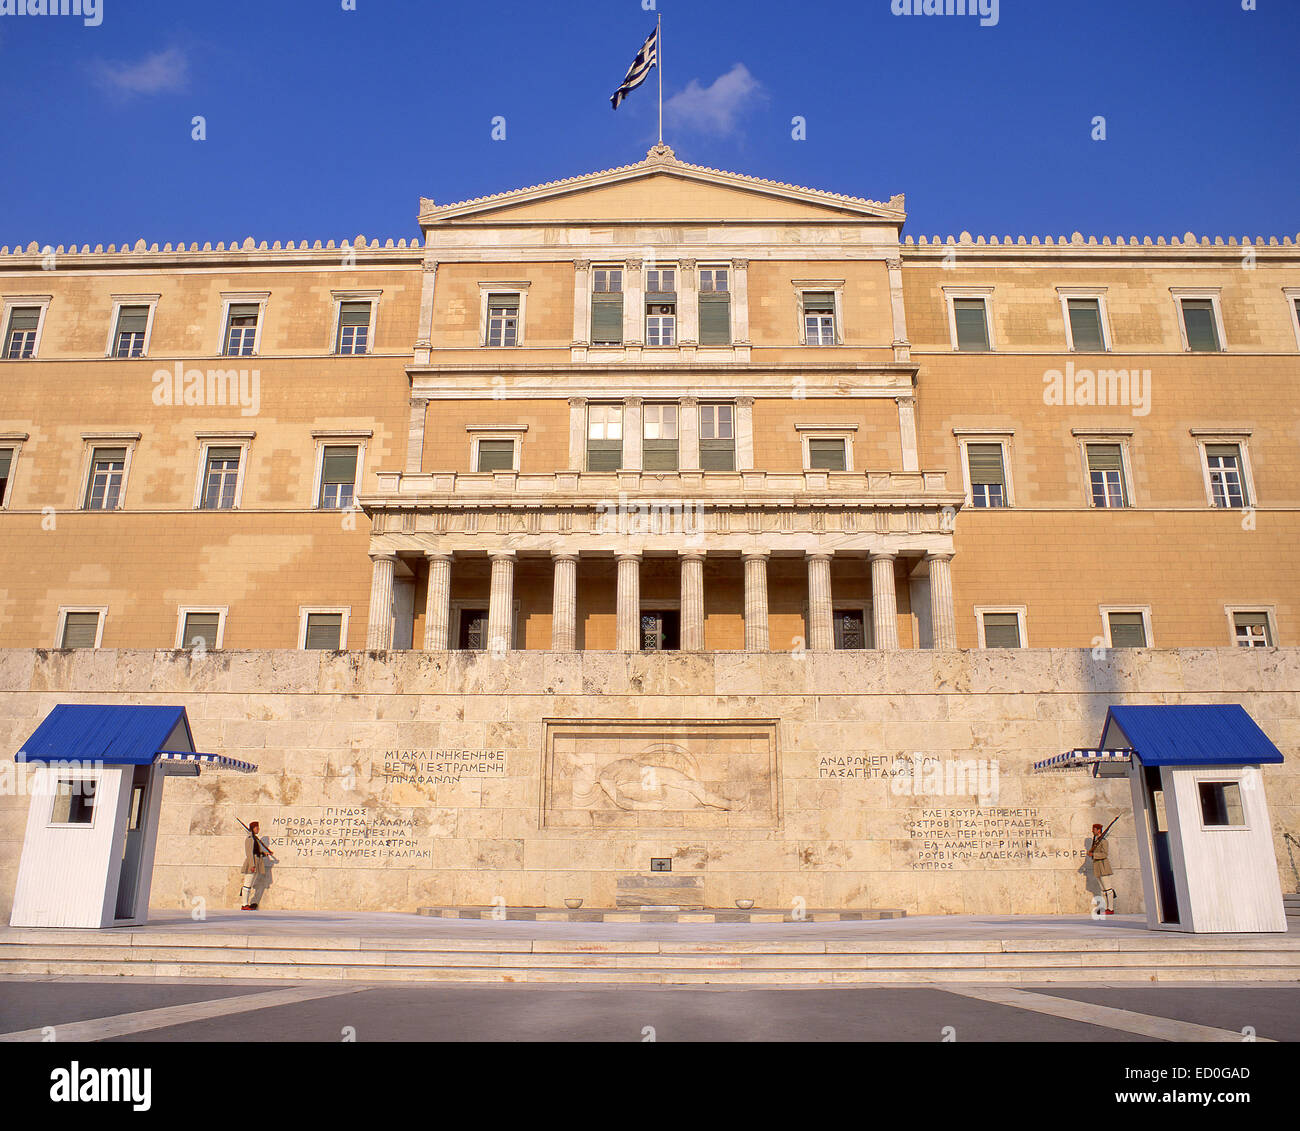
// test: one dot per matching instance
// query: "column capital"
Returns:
(582, 264)
(632, 266)
(745, 402)
(577, 402)
(692, 555)
(628, 556)
(756, 555)
(740, 264)
(686, 264)
(502, 555)
(384, 556)
(688, 402)
(820, 555)
(564, 555)
(894, 264)
(437, 556)
(883, 556)
(430, 266)
(937, 556)
(907, 399)
(632, 402)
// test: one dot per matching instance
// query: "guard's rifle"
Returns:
(259, 841)
(1098, 839)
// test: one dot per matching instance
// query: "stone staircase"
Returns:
(652, 961)
(1292, 904)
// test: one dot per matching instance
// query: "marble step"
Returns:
(659, 914)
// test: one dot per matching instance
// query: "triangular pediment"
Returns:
(661, 188)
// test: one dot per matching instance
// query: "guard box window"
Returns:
(74, 802)
(1221, 804)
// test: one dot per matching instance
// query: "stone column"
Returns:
(577, 433)
(379, 631)
(688, 434)
(821, 631)
(692, 601)
(415, 436)
(581, 302)
(629, 603)
(501, 602)
(740, 302)
(633, 304)
(744, 433)
(437, 603)
(688, 304)
(424, 334)
(884, 601)
(564, 603)
(907, 432)
(943, 616)
(632, 434)
(756, 630)
(902, 347)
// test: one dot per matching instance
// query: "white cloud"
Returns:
(714, 109)
(154, 74)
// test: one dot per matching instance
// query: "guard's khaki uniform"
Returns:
(256, 876)
(1101, 861)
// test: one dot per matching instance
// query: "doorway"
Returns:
(661, 630)
(128, 881)
(1166, 890)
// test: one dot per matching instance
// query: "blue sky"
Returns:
(325, 123)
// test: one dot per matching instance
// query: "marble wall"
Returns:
(390, 781)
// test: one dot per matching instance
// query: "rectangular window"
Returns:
(1220, 804)
(1200, 325)
(970, 316)
(200, 631)
(661, 281)
(6, 473)
(324, 632)
(496, 455)
(473, 630)
(338, 477)
(1106, 475)
(1085, 325)
(988, 481)
(850, 629)
(128, 338)
(220, 478)
(827, 455)
(74, 802)
(1251, 630)
(604, 437)
(607, 306)
(717, 437)
(503, 320)
(20, 336)
(107, 473)
(1127, 630)
(661, 324)
(80, 630)
(241, 329)
(819, 318)
(1001, 630)
(1227, 481)
(715, 306)
(659, 437)
(354, 327)
(661, 630)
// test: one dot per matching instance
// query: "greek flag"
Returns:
(647, 58)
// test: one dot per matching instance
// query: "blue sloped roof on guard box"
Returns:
(1197, 735)
(114, 735)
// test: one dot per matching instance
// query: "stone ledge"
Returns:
(659, 915)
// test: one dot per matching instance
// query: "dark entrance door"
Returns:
(473, 630)
(1168, 891)
(661, 630)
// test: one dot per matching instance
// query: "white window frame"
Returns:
(1293, 305)
(119, 301)
(73, 773)
(340, 297)
(328, 439)
(304, 611)
(13, 441)
(184, 610)
(1002, 436)
(836, 287)
(1270, 616)
(1122, 437)
(93, 440)
(503, 288)
(480, 432)
(1204, 439)
(984, 293)
(207, 440)
(1103, 314)
(675, 343)
(234, 298)
(1021, 612)
(1145, 610)
(64, 610)
(808, 432)
(1212, 293)
(12, 301)
(1217, 777)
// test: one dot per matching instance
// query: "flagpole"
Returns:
(659, 66)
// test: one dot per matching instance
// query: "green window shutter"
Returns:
(822, 301)
(244, 310)
(715, 319)
(340, 465)
(985, 464)
(6, 458)
(607, 319)
(1085, 324)
(354, 314)
(1001, 630)
(826, 455)
(659, 455)
(132, 319)
(1127, 630)
(24, 318)
(503, 302)
(1198, 321)
(604, 455)
(79, 630)
(972, 325)
(717, 455)
(496, 455)
(201, 626)
(218, 455)
(1104, 457)
(1223, 451)
(324, 631)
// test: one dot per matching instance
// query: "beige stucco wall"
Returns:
(318, 726)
